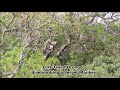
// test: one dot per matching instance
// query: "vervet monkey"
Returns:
(49, 47)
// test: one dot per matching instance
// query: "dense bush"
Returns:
(105, 67)
(82, 41)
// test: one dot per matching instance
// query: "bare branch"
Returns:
(3, 23)
(22, 57)
(64, 47)
(3, 37)
(30, 21)
(20, 64)
(11, 20)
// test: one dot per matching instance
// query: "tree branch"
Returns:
(11, 20)
(21, 60)
(64, 47)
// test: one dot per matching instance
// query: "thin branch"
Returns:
(6, 27)
(20, 64)
(63, 48)
(22, 57)
(3, 23)
(30, 21)
(9, 30)
(11, 20)
(3, 37)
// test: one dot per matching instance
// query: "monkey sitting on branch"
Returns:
(48, 48)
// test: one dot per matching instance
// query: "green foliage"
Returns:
(73, 59)
(12, 40)
(10, 59)
(101, 56)
(60, 41)
(105, 66)
(35, 63)
(6, 18)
